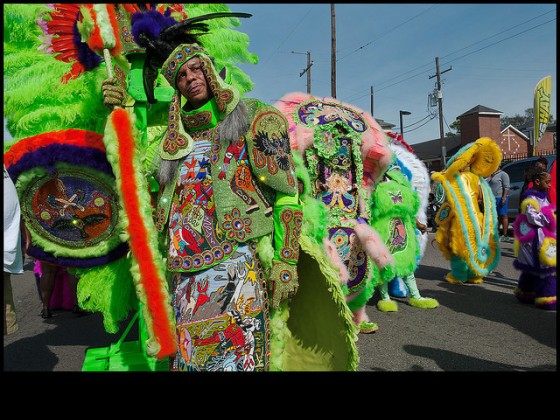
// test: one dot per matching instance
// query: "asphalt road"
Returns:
(476, 328)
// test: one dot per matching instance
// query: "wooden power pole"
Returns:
(440, 106)
(307, 69)
(371, 100)
(333, 54)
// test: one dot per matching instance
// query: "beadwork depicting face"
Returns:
(192, 84)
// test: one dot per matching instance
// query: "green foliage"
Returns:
(521, 121)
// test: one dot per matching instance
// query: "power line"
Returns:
(419, 121)
(497, 42)
(420, 125)
(288, 36)
(454, 52)
(388, 32)
(455, 59)
(496, 34)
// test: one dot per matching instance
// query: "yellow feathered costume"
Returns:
(468, 235)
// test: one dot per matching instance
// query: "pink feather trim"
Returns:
(373, 245)
(333, 256)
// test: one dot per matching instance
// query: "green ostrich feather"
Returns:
(35, 99)
(108, 289)
(395, 199)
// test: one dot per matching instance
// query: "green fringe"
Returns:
(265, 251)
(108, 289)
(331, 276)
(315, 213)
(365, 295)
(279, 334)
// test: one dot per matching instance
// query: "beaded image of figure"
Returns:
(345, 152)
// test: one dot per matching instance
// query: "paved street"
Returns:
(476, 328)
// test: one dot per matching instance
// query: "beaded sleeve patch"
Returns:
(291, 221)
(272, 144)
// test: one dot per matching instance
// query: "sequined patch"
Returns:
(351, 253)
(272, 144)
(315, 112)
(397, 240)
(196, 240)
(222, 316)
(174, 140)
(236, 226)
(73, 209)
(292, 221)
(200, 119)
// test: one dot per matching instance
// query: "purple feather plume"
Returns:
(150, 23)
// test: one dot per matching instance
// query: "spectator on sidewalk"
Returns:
(58, 288)
(499, 183)
(13, 252)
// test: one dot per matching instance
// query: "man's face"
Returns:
(192, 83)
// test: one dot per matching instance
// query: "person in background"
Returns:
(58, 288)
(540, 164)
(499, 183)
(535, 245)
(13, 251)
(552, 189)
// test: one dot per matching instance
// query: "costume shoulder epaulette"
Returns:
(269, 149)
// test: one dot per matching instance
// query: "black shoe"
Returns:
(77, 311)
(46, 313)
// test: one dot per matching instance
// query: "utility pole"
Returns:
(371, 101)
(307, 69)
(440, 105)
(333, 53)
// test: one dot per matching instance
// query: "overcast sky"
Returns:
(492, 55)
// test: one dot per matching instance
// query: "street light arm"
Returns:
(401, 113)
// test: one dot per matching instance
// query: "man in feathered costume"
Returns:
(417, 174)
(208, 228)
(397, 216)
(467, 236)
(345, 152)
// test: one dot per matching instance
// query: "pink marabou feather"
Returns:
(373, 245)
(333, 256)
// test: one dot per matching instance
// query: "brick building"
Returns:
(482, 121)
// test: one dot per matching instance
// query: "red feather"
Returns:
(67, 56)
(75, 71)
(58, 26)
